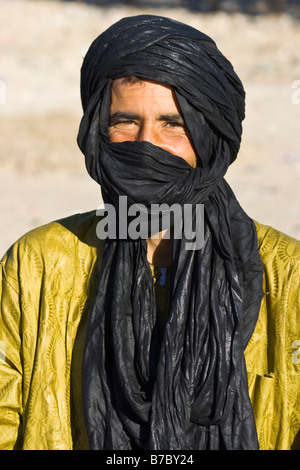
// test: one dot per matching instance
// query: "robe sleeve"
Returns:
(10, 360)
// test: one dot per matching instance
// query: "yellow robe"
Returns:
(47, 282)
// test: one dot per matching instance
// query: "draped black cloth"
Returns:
(186, 389)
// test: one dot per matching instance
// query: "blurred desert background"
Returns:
(42, 44)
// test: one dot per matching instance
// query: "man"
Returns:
(139, 342)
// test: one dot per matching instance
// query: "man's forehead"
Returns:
(136, 82)
(155, 96)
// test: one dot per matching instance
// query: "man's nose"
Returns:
(147, 133)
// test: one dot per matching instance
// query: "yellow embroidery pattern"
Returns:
(47, 280)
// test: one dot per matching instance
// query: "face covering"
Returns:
(184, 388)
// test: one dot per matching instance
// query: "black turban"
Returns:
(185, 389)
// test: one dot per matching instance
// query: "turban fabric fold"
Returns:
(185, 388)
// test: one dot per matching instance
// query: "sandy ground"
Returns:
(42, 172)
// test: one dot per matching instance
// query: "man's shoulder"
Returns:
(63, 237)
(280, 255)
(273, 244)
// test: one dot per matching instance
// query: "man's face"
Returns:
(147, 111)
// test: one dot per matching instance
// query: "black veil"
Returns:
(189, 389)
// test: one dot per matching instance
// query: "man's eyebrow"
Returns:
(171, 118)
(124, 116)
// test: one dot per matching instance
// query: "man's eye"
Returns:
(175, 124)
(120, 123)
